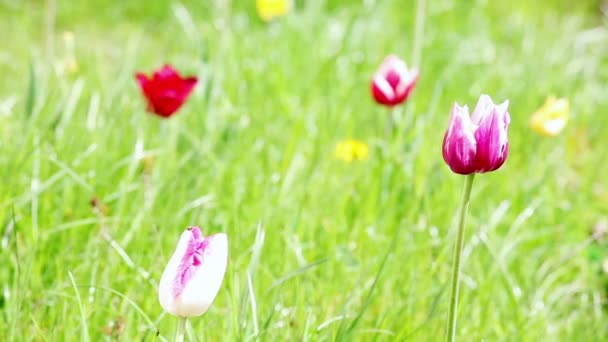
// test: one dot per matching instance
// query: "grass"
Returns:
(319, 249)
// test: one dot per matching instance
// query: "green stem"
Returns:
(389, 126)
(418, 32)
(181, 329)
(464, 205)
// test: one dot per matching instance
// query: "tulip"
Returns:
(552, 117)
(393, 82)
(270, 9)
(479, 143)
(472, 144)
(166, 91)
(194, 274)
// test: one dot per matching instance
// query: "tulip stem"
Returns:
(464, 205)
(181, 329)
(391, 122)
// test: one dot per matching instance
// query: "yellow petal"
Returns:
(350, 150)
(552, 117)
(71, 65)
(269, 9)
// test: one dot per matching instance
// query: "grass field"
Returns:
(320, 249)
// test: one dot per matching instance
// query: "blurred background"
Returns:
(95, 191)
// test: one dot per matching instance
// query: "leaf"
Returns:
(30, 100)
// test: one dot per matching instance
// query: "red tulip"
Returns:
(393, 82)
(166, 91)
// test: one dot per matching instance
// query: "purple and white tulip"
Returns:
(477, 143)
(194, 274)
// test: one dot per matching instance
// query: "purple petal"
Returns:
(459, 145)
(492, 139)
(192, 258)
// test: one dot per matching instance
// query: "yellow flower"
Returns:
(551, 118)
(350, 150)
(68, 63)
(270, 9)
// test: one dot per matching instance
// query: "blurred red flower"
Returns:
(166, 91)
(393, 82)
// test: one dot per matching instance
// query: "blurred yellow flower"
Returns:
(148, 164)
(67, 64)
(68, 40)
(350, 150)
(270, 9)
(551, 118)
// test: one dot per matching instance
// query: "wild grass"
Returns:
(319, 249)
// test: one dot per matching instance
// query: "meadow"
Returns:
(95, 191)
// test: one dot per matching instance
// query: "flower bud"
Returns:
(393, 82)
(194, 274)
(477, 143)
(551, 118)
(165, 91)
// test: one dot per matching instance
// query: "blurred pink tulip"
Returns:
(393, 82)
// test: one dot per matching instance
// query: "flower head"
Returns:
(166, 91)
(194, 274)
(393, 82)
(477, 143)
(270, 9)
(70, 64)
(350, 150)
(551, 118)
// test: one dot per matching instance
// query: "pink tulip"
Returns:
(393, 82)
(478, 143)
(194, 274)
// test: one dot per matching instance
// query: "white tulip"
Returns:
(194, 274)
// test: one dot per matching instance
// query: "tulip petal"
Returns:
(195, 244)
(166, 91)
(552, 117)
(166, 72)
(393, 81)
(167, 102)
(142, 79)
(407, 83)
(194, 274)
(382, 89)
(554, 127)
(459, 145)
(392, 62)
(482, 108)
(492, 138)
(188, 84)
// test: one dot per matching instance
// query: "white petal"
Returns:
(205, 284)
(483, 108)
(554, 126)
(384, 86)
(200, 291)
(407, 77)
(167, 280)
